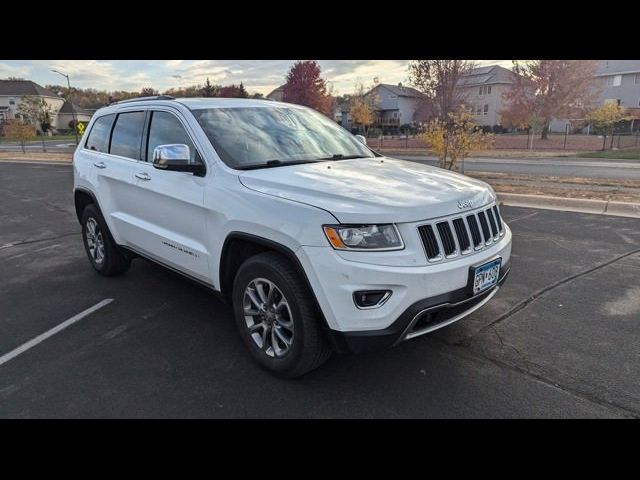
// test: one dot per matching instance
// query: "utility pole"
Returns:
(73, 110)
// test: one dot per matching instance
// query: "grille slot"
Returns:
(498, 218)
(461, 233)
(429, 241)
(485, 226)
(492, 222)
(448, 243)
(475, 230)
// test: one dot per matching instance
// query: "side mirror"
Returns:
(177, 158)
(362, 139)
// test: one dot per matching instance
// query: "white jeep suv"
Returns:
(320, 243)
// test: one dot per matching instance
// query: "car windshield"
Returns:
(259, 137)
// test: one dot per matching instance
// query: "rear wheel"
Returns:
(104, 255)
(276, 316)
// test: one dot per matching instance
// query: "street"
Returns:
(559, 340)
(558, 166)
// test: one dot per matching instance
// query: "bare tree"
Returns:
(439, 81)
(37, 111)
(548, 89)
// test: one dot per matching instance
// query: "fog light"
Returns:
(371, 298)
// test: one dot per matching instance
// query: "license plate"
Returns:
(486, 276)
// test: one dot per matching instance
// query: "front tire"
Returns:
(102, 251)
(275, 314)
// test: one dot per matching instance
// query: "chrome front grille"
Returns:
(461, 234)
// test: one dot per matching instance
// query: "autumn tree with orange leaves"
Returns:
(546, 89)
(305, 86)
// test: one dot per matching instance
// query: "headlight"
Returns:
(364, 237)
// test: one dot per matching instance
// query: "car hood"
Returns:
(382, 190)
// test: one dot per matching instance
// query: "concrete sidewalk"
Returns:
(603, 207)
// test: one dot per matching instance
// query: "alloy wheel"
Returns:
(95, 241)
(268, 317)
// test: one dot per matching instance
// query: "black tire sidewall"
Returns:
(255, 268)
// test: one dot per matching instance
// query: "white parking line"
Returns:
(49, 333)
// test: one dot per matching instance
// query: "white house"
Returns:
(396, 105)
(12, 92)
(482, 90)
(68, 111)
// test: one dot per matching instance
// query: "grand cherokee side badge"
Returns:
(465, 204)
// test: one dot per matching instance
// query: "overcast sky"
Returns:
(258, 75)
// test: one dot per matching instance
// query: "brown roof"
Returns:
(24, 87)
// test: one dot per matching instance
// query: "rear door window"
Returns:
(127, 135)
(98, 139)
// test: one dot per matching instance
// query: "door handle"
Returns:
(99, 164)
(143, 176)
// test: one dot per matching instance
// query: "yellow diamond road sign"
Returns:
(80, 128)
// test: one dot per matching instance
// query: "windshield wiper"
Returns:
(275, 163)
(340, 156)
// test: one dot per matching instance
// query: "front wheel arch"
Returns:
(239, 246)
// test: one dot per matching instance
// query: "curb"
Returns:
(600, 207)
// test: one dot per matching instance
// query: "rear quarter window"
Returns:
(98, 139)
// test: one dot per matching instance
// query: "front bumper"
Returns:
(439, 287)
(422, 317)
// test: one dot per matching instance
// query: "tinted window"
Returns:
(98, 138)
(166, 129)
(127, 135)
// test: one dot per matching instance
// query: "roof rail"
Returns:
(143, 99)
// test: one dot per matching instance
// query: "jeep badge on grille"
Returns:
(465, 204)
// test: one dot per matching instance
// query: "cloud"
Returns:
(7, 70)
(257, 75)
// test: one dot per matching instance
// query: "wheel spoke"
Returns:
(280, 334)
(285, 323)
(265, 336)
(282, 304)
(270, 295)
(256, 326)
(260, 290)
(284, 314)
(251, 293)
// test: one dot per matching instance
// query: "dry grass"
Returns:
(41, 156)
(568, 187)
(484, 153)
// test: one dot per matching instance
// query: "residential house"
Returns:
(396, 105)
(12, 92)
(342, 114)
(618, 81)
(68, 111)
(482, 91)
(276, 94)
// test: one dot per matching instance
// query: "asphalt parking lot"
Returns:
(560, 340)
